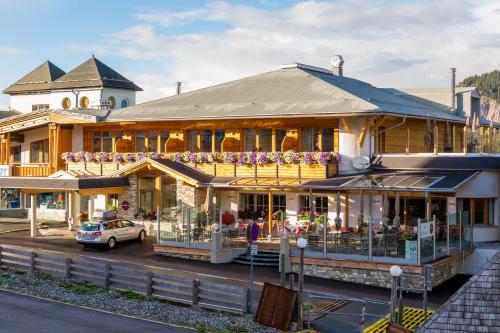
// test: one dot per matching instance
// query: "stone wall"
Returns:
(376, 274)
(183, 253)
(130, 196)
(190, 195)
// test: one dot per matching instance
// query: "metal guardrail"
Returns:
(161, 283)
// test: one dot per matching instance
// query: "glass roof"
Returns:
(252, 181)
(396, 181)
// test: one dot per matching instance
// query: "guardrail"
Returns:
(182, 287)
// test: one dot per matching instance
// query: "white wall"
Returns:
(23, 103)
(31, 136)
(349, 131)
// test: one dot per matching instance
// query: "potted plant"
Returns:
(83, 217)
(411, 244)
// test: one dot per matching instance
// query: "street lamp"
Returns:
(395, 272)
(302, 244)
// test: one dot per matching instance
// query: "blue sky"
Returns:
(156, 43)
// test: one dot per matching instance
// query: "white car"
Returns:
(109, 232)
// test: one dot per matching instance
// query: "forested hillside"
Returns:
(489, 86)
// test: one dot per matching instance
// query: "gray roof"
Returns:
(437, 162)
(295, 90)
(93, 73)
(475, 307)
(38, 79)
(7, 114)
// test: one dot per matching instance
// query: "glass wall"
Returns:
(265, 139)
(140, 141)
(164, 135)
(249, 139)
(280, 135)
(152, 141)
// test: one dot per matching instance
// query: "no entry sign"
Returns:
(125, 205)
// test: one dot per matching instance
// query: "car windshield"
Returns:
(90, 227)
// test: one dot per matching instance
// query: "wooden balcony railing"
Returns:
(31, 169)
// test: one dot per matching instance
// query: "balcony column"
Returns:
(33, 226)
(91, 206)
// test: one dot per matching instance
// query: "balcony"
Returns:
(245, 164)
(30, 169)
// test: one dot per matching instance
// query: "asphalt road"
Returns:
(22, 314)
(142, 253)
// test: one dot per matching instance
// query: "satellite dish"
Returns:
(361, 162)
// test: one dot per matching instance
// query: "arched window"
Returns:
(112, 102)
(66, 103)
(84, 102)
(124, 103)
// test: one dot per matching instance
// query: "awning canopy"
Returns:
(86, 186)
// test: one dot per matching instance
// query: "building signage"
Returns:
(253, 249)
(125, 205)
(4, 170)
(427, 229)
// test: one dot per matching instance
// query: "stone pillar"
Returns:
(91, 206)
(33, 226)
(285, 253)
(216, 248)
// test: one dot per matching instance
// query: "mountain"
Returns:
(489, 87)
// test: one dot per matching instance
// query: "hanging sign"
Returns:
(125, 205)
(426, 229)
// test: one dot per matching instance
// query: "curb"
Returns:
(97, 310)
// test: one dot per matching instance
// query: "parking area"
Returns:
(60, 239)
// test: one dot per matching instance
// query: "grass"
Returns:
(133, 295)
(83, 288)
(203, 329)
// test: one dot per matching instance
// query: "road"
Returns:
(27, 314)
(142, 253)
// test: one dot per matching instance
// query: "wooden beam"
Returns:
(378, 123)
(273, 140)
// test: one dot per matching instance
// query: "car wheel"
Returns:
(111, 242)
(142, 236)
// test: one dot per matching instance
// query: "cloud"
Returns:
(385, 43)
(11, 51)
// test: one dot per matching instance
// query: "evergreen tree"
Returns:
(487, 83)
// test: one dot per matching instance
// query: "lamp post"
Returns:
(395, 272)
(301, 243)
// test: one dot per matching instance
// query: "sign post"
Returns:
(125, 205)
(253, 251)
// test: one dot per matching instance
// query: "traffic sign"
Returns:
(125, 205)
(253, 249)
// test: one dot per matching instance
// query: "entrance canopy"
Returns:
(86, 186)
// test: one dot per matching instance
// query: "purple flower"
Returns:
(129, 157)
(262, 158)
(323, 158)
(192, 157)
(252, 158)
(154, 156)
(229, 157)
(178, 157)
(118, 157)
(241, 158)
(308, 158)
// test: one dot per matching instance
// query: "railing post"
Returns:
(32, 262)
(106, 275)
(196, 291)
(434, 237)
(363, 311)
(282, 270)
(419, 221)
(0, 257)
(149, 283)
(245, 301)
(67, 268)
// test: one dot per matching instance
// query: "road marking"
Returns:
(98, 310)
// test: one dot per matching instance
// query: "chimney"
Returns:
(453, 71)
(178, 88)
(337, 62)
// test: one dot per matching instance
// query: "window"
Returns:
(255, 202)
(36, 107)
(52, 200)
(310, 139)
(320, 204)
(249, 139)
(112, 201)
(280, 135)
(265, 139)
(107, 142)
(124, 103)
(96, 142)
(327, 140)
(193, 140)
(39, 151)
(219, 137)
(153, 141)
(279, 203)
(66, 103)
(164, 135)
(15, 154)
(140, 141)
(84, 102)
(112, 102)
(206, 140)
(483, 211)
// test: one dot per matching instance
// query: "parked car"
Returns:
(109, 232)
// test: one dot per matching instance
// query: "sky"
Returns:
(155, 43)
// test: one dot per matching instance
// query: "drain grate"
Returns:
(322, 307)
(412, 318)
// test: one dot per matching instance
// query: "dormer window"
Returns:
(66, 103)
(112, 102)
(124, 103)
(84, 102)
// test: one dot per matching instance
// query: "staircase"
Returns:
(261, 259)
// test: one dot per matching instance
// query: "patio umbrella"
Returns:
(385, 210)
(338, 219)
(396, 221)
(209, 200)
(361, 209)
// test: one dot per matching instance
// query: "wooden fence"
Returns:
(177, 286)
